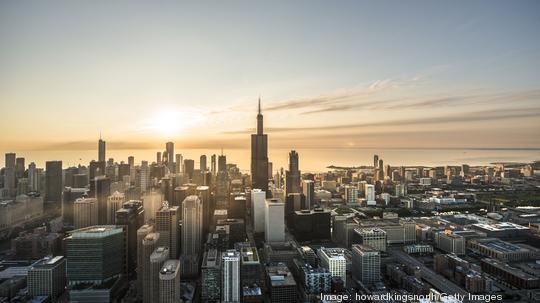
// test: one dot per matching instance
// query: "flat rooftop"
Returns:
(501, 226)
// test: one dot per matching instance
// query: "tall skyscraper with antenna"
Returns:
(259, 155)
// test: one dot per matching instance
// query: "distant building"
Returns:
(449, 242)
(85, 212)
(274, 220)
(53, 183)
(114, 203)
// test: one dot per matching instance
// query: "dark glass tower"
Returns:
(259, 156)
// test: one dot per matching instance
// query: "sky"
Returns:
(330, 74)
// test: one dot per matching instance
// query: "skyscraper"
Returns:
(85, 212)
(101, 150)
(192, 223)
(274, 220)
(179, 163)
(292, 175)
(100, 189)
(157, 259)
(142, 232)
(257, 209)
(169, 146)
(131, 216)
(334, 260)
(308, 188)
(213, 165)
(53, 181)
(168, 228)
(33, 177)
(202, 163)
(189, 167)
(169, 282)
(149, 244)
(114, 203)
(9, 174)
(259, 156)
(144, 176)
(230, 276)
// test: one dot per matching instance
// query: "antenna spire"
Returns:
(259, 105)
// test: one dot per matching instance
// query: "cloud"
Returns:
(485, 115)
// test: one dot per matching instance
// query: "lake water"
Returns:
(314, 160)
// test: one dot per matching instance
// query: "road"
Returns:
(440, 282)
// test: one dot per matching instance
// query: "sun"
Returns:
(170, 123)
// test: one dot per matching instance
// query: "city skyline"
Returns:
(328, 76)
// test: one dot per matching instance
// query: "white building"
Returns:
(369, 192)
(334, 260)
(230, 276)
(274, 220)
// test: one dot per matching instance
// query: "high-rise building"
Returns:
(149, 244)
(213, 165)
(157, 260)
(281, 284)
(259, 156)
(114, 203)
(334, 260)
(366, 264)
(9, 174)
(274, 220)
(258, 198)
(33, 177)
(369, 191)
(19, 167)
(53, 182)
(179, 164)
(211, 276)
(47, 277)
(95, 254)
(308, 188)
(167, 226)
(222, 163)
(144, 176)
(192, 225)
(169, 147)
(292, 175)
(142, 232)
(100, 188)
(85, 212)
(376, 161)
(351, 195)
(169, 282)
(101, 150)
(230, 276)
(202, 163)
(131, 216)
(189, 168)
(69, 196)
